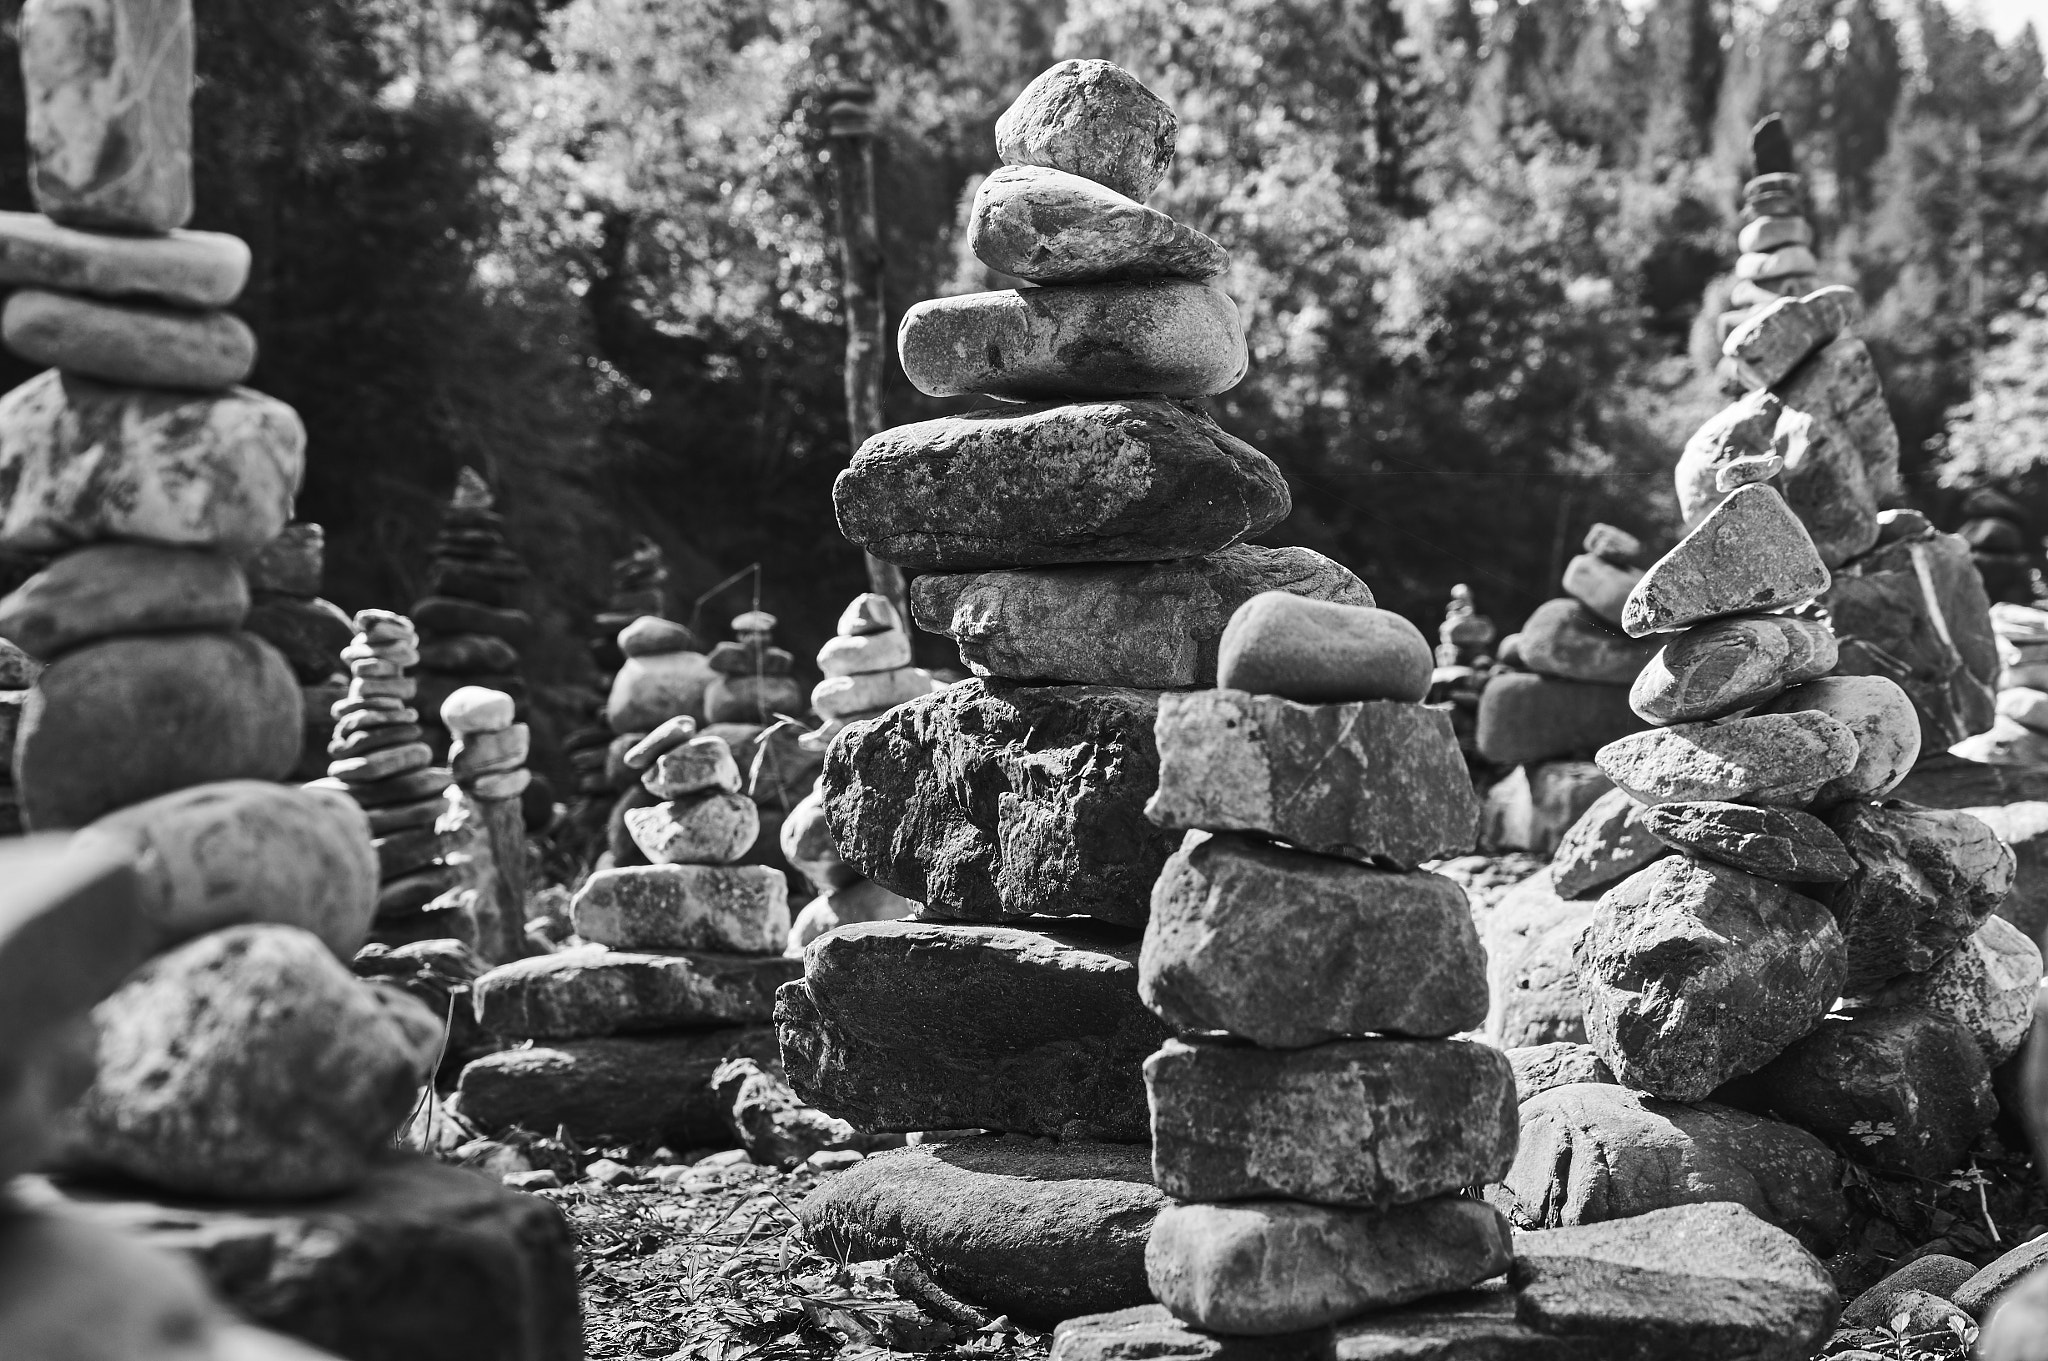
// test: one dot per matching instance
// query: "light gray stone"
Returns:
(1094, 119)
(1608, 843)
(1782, 844)
(1719, 668)
(590, 991)
(1531, 938)
(701, 765)
(741, 908)
(1779, 336)
(1051, 227)
(190, 269)
(1764, 758)
(1925, 879)
(1841, 380)
(704, 829)
(1880, 716)
(1322, 652)
(1559, 1063)
(128, 342)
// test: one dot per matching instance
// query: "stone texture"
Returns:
(1750, 553)
(1937, 1274)
(1565, 640)
(1763, 758)
(1782, 844)
(1903, 1089)
(1094, 119)
(1374, 780)
(1992, 1283)
(589, 991)
(1608, 843)
(705, 829)
(191, 269)
(1592, 1152)
(649, 690)
(124, 719)
(1269, 1266)
(1034, 1229)
(1601, 586)
(1525, 717)
(868, 693)
(1052, 227)
(908, 1025)
(1172, 337)
(1370, 1123)
(1779, 336)
(1533, 806)
(699, 766)
(250, 1063)
(1842, 381)
(987, 801)
(1154, 625)
(1883, 720)
(741, 908)
(1731, 664)
(1531, 936)
(652, 1089)
(1287, 949)
(1149, 1333)
(128, 342)
(1989, 983)
(1826, 483)
(1693, 973)
(111, 588)
(1926, 879)
(1560, 1063)
(1139, 479)
(1322, 652)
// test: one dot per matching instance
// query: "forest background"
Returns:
(587, 247)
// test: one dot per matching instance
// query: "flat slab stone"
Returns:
(1287, 949)
(1134, 480)
(1761, 758)
(1154, 625)
(738, 908)
(192, 269)
(1376, 780)
(1045, 225)
(1988, 1285)
(1925, 879)
(988, 801)
(421, 1262)
(910, 1025)
(589, 991)
(1565, 640)
(1749, 554)
(122, 588)
(1783, 844)
(1609, 842)
(1524, 717)
(1369, 1123)
(1717, 668)
(1036, 1229)
(1149, 1333)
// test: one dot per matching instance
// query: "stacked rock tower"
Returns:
(288, 613)
(470, 626)
(867, 668)
(1777, 259)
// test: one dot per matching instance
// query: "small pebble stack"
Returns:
(470, 626)
(662, 677)
(867, 669)
(1777, 259)
(1464, 663)
(753, 682)
(638, 589)
(287, 612)
(487, 755)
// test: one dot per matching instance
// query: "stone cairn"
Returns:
(469, 622)
(287, 612)
(662, 676)
(638, 590)
(487, 755)
(754, 704)
(1776, 241)
(1464, 660)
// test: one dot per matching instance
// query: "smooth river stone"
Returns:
(1370, 1123)
(1136, 480)
(1322, 652)
(1093, 119)
(1564, 639)
(1763, 758)
(700, 765)
(589, 991)
(1378, 780)
(191, 269)
(1925, 879)
(1525, 718)
(1749, 554)
(126, 342)
(1288, 949)
(1718, 668)
(1155, 625)
(742, 908)
(1601, 586)
(1167, 336)
(109, 86)
(1693, 973)
(1882, 719)
(1781, 844)
(864, 654)
(1050, 227)
(81, 460)
(125, 719)
(115, 588)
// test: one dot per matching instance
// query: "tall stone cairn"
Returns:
(287, 612)
(470, 626)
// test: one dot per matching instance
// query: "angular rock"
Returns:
(191, 269)
(987, 801)
(1781, 844)
(705, 829)
(1272, 1266)
(1374, 780)
(1034, 1229)
(112, 588)
(124, 719)
(1989, 984)
(1926, 879)
(1287, 949)
(1525, 717)
(1134, 480)
(81, 461)
(1763, 758)
(1883, 720)
(1592, 1152)
(1149, 1333)
(1778, 337)
(1560, 1063)
(1608, 843)
(1094, 119)
(1565, 640)
(589, 991)
(1370, 1123)
(1052, 227)
(1749, 554)
(1731, 664)
(1841, 380)
(1172, 337)
(1320, 652)
(1693, 973)
(775, 1127)
(1901, 1089)
(1825, 482)
(910, 1025)
(1531, 937)
(128, 342)
(1153, 625)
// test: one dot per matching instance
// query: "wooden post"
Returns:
(849, 123)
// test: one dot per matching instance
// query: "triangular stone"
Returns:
(1750, 554)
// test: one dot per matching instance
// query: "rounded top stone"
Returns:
(650, 635)
(476, 708)
(1094, 119)
(1322, 652)
(868, 613)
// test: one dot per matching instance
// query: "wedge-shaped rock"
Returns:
(1745, 429)
(1779, 336)
(1608, 843)
(1772, 843)
(1763, 758)
(1154, 625)
(1287, 949)
(1592, 1152)
(1137, 480)
(1378, 780)
(1716, 669)
(742, 908)
(1926, 878)
(1090, 118)
(1051, 227)
(1750, 553)
(1881, 716)
(1525, 718)
(1989, 984)
(988, 801)
(1172, 337)
(1842, 381)
(1262, 1267)
(589, 991)
(1826, 484)
(1370, 1123)
(1693, 973)
(921, 1025)
(1566, 640)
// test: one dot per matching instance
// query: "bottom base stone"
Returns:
(423, 1262)
(1149, 1333)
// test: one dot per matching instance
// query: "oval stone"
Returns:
(1882, 718)
(119, 588)
(128, 342)
(1720, 667)
(1050, 227)
(1094, 119)
(193, 269)
(1322, 652)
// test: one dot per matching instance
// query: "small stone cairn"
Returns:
(1777, 259)
(1464, 660)
(638, 590)
(287, 612)
(755, 705)
(487, 755)
(469, 624)
(867, 669)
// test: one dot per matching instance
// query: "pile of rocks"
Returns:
(866, 663)
(751, 681)
(755, 705)
(287, 612)
(471, 628)
(1464, 662)
(639, 589)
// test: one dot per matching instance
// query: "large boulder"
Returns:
(1925, 879)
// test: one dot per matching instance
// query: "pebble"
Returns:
(1728, 665)
(1322, 652)
(1051, 227)
(1780, 844)
(1883, 721)
(1764, 758)
(475, 709)
(1750, 553)
(698, 766)
(1093, 119)
(114, 588)
(128, 342)
(652, 636)
(707, 829)
(190, 269)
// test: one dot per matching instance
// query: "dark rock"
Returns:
(468, 654)
(590, 991)
(1565, 640)
(309, 633)
(1925, 878)
(1936, 1274)
(1559, 1063)
(1941, 780)
(1984, 1288)
(1783, 844)
(1525, 717)
(1606, 845)
(446, 614)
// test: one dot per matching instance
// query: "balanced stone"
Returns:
(743, 908)
(1750, 553)
(112, 588)
(1883, 720)
(1173, 337)
(863, 654)
(1776, 264)
(1051, 227)
(1525, 718)
(1782, 844)
(1693, 973)
(1826, 483)
(1370, 1123)
(128, 342)
(1530, 935)
(1272, 1266)
(869, 692)
(124, 719)
(1610, 841)
(590, 991)
(1769, 233)
(700, 765)
(1150, 1333)
(906, 1025)
(651, 636)
(469, 654)
(704, 829)
(191, 269)
(384, 764)
(409, 787)
(1763, 758)
(1925, 879)
(1094, 119)
(1139, 479)
(1564, 639)
(488, 753)
(1719, 668)
(641, 754)
(1322, 652)
(1153, 625)
(1287, 949)
(1778, 337)
(1989, 984)
(1374, 780)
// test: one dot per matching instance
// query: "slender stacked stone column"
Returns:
(1777, 259)
(487, 756)
(471, 628)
